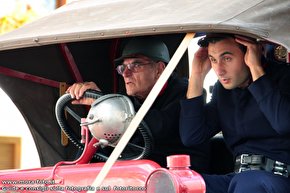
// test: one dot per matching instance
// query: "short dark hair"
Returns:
(216, 37)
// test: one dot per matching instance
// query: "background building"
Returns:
(17, 147)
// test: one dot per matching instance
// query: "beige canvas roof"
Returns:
(102, 19)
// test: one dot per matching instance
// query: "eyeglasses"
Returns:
(133, 67)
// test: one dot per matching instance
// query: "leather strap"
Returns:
(247, 162)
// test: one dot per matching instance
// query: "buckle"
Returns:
(242, 169)
(242, 163)
(245, 159)
(247, 162)
(281, 169)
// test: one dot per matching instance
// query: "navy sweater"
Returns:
(253, 120)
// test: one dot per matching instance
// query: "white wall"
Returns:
(13, 124)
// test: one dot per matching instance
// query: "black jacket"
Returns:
(163, 121)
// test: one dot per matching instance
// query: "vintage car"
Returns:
(79, 42)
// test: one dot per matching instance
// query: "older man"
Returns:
(142, 62)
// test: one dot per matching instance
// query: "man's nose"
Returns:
(127, 72)
(220, 70)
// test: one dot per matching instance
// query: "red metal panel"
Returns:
(113, 56)
(71, 63)
(28, 77)
(125, 176)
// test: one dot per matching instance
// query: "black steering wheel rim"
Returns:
(143, 130)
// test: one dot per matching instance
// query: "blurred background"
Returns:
(16, 141)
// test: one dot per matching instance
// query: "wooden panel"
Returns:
(62, 88)
(10, 151)
(60, 3)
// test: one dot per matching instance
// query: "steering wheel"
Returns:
(139, 146)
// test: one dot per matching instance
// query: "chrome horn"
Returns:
(109, 117)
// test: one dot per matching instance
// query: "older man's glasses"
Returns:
(133, 67)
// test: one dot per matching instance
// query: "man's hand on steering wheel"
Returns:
(77, 91)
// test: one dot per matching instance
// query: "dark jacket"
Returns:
(253, 120)
(163, 121)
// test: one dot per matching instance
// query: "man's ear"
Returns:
(160, 66)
